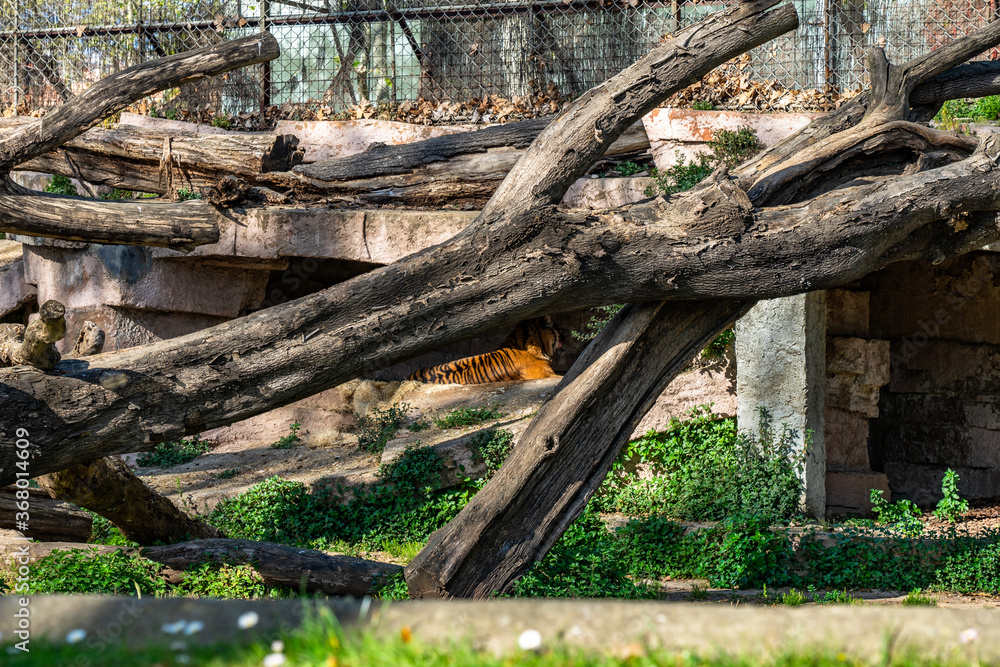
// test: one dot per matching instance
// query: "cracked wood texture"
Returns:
(454, 169)
(486, 276)
(130, 158)
(522, 258)
(182, 226)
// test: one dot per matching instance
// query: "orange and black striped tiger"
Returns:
(525, 355)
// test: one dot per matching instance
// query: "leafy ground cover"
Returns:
(321, 642)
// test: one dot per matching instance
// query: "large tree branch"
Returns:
(116, 92)
(129, 400)
(182, 225)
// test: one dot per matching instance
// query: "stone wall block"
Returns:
(850, 492)
(848, 313)
(846, 441)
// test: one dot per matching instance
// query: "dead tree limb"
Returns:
(181, 226)
(105, 486)
(464, 166)
(522, 258)
(277, 564)
(128, 158)
(542, 260)
(51, 520)
(282, 565)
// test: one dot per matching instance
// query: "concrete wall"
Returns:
(780, 350)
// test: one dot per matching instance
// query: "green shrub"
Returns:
(185, 194)
(951, 506)
(221, 120)
(597, 321)
(103, 531)
(229, 473)
(987, 108)
(728, 147)
(704, 470)
(492, 445)
(222, 580)
(916, 598)
(974, 568)
(627, 169)
(584, 562)
(61, 185)
(80, 571)
(380, 426)
(903, 515)
(169, 454)
(700, 105)
(290, 440)
(468, 417)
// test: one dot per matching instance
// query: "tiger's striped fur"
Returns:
(525, 355)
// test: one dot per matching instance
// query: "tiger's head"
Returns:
(538, 336)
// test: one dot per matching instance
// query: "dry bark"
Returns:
(185, 225)
(130, 158)
(461, 168)
(523, 257)
(48, 520)
(278, 564)
(541, 259)
(105, 486)
(34, 344)
(282, 565)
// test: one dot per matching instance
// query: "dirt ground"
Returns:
(331, 457)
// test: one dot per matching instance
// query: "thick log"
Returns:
(540, 260)
(109, 488)
(281, 565)
(182, 226)
(48, 520)
(278, 564)
(567, 450)
(117, 91)
(460, 168)
(131, 158)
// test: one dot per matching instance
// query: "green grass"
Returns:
(322, 642)
(468, 417)
(169, 454)
(290, 440)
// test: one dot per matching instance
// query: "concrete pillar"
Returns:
(781, 366)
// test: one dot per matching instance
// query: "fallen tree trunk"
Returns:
(183, 226)
(453, 169)
(541, 259)
(48, 520)
(281, 565)
(302, 570)
(105, 486)
(165, 161)
(523, 257)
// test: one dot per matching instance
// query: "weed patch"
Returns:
(468, 417)
(290, 440)
(169, 454)
(379, 427)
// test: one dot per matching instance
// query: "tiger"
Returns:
(525, 355)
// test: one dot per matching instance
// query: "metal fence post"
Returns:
(16, 69)
(265, 68)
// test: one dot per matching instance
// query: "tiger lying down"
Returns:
(525, 355)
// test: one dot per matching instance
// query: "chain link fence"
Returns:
(345, 53)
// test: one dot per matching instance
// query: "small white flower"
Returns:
(193, 627)
(248, 620)
(277, 646)
(529, 640)
(178, 645)
(968, 636)
(274, 660)
(575, 630)
(173, 628)
(75, 636)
